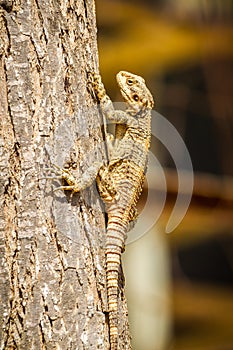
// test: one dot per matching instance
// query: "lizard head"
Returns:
(134, 91)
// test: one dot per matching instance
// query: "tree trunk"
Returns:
(52, 278)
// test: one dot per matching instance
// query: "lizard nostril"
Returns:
(135, 97)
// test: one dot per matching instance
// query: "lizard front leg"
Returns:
(106, 105)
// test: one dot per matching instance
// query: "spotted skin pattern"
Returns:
(120, 181)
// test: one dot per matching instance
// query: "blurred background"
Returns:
(179, 285)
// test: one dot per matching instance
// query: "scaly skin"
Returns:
(120, 182)
(125, 172)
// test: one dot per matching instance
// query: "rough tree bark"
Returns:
(52, 278)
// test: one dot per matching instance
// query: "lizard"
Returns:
(120, 181)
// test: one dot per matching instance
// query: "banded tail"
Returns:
(116, 234)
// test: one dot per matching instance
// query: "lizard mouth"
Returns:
(126, 97)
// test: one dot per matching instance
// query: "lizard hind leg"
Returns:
(74, 183)
(105, 185)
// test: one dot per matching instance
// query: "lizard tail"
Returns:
(114, 247)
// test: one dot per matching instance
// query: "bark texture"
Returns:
(52, 277)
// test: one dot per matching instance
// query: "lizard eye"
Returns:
(129, 81)
(135, 97)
